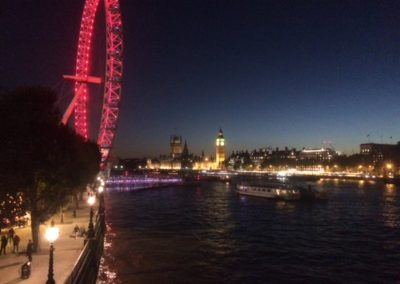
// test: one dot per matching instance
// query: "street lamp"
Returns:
(389, 170)
(100, 189)
(51, 235)
(91, 200)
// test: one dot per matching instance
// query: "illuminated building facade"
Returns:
(170, 164)
(180, 157)
(379, 152)
(175, 143)
(220, 150)
(204, 163)
(323, 154)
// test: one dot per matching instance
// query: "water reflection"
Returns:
(199, 194)
(390, 212)
(210, 234)
(107, 274)
(287, 206)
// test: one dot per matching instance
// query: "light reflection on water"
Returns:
(208, 234)
(391, 211)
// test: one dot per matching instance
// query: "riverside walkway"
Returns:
(66, 253)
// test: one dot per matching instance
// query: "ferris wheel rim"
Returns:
(113, 74)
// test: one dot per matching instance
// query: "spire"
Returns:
(185, 151)
(220, 133)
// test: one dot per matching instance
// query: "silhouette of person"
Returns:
(11, 234)
(4, 242)
(16, 241)
(76, 230)
(29, 250)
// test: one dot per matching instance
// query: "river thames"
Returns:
(208, 234)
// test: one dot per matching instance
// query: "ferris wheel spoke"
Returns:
(112, 79)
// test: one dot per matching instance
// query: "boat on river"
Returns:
(281, 191)
(272, 191)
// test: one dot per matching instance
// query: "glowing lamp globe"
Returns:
(52, 234)
(91, 200)
(100, 188)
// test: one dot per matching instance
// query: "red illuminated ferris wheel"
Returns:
(112, 80)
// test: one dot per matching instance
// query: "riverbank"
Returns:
(315, 177)
(67, 249)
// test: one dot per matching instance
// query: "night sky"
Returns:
(270, 73)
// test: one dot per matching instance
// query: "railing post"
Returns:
(87, 266)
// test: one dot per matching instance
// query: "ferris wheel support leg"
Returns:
(71, 107)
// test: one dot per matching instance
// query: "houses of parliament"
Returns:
(180, 158)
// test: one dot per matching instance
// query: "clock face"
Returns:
(220, 142)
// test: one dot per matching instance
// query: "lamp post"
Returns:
(91, 201)
(51, 235)
(100, 191)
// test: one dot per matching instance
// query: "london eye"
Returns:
(112, 79)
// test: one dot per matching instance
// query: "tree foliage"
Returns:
(41, 158)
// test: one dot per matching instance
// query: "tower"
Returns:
(186, 161)
(220, 149)
(175, 143)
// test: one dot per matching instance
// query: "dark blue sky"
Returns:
(270, 73)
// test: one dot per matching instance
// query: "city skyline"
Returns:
(287, 73)
(324, 145)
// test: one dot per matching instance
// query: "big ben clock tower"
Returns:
(220, 149)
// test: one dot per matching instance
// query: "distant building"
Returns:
(379, 152)
(261, 158)
(173, 161)
(128, 166)
(170, 164)
(257, 158)
(186, 158)
(285, 154)
(220, 150)
(180, 157)
(322, 154)
(153, 164)
(205, 163)
(175, 143)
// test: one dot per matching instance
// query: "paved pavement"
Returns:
(67, 250)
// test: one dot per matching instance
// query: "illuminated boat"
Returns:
(272, 191)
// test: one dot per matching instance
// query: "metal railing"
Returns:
(86, 267)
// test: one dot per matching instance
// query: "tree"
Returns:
(11, 208)
(39, 154)
(88, 159)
